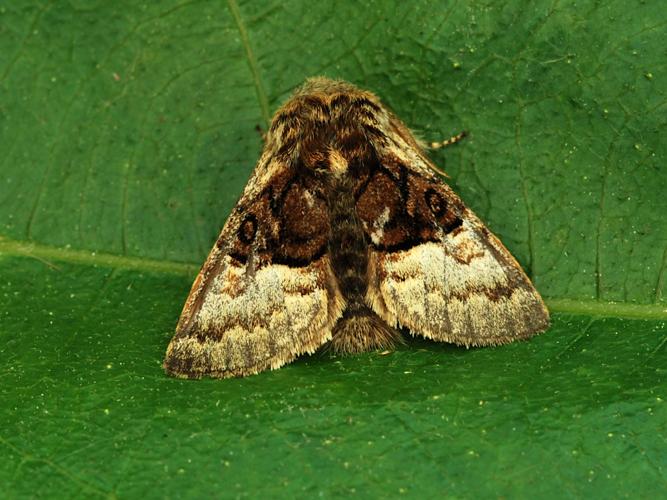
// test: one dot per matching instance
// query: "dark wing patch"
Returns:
(400, 208)
(288, 223)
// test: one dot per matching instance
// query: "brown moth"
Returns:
(343, 234)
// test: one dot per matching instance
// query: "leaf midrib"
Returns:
(49, 254)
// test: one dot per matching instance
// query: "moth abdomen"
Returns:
(360, 329)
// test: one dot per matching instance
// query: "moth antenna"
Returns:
(437, 169)
(261, 132)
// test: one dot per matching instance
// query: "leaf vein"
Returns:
(252, 62)
(33, 250)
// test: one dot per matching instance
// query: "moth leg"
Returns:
(449, 142)
(443, 144)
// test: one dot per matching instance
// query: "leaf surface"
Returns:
(127, 133)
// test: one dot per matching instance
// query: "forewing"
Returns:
(266, 292)
(434, 267)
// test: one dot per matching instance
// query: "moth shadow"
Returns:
(410, 372)
(325, 356)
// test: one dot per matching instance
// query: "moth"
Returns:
(345, 233)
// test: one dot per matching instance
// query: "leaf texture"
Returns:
(126, 135)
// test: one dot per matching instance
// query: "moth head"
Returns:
(324, 85)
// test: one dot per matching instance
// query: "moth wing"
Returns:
(266, 292)
(433, 265)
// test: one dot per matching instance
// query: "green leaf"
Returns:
(126, 135)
